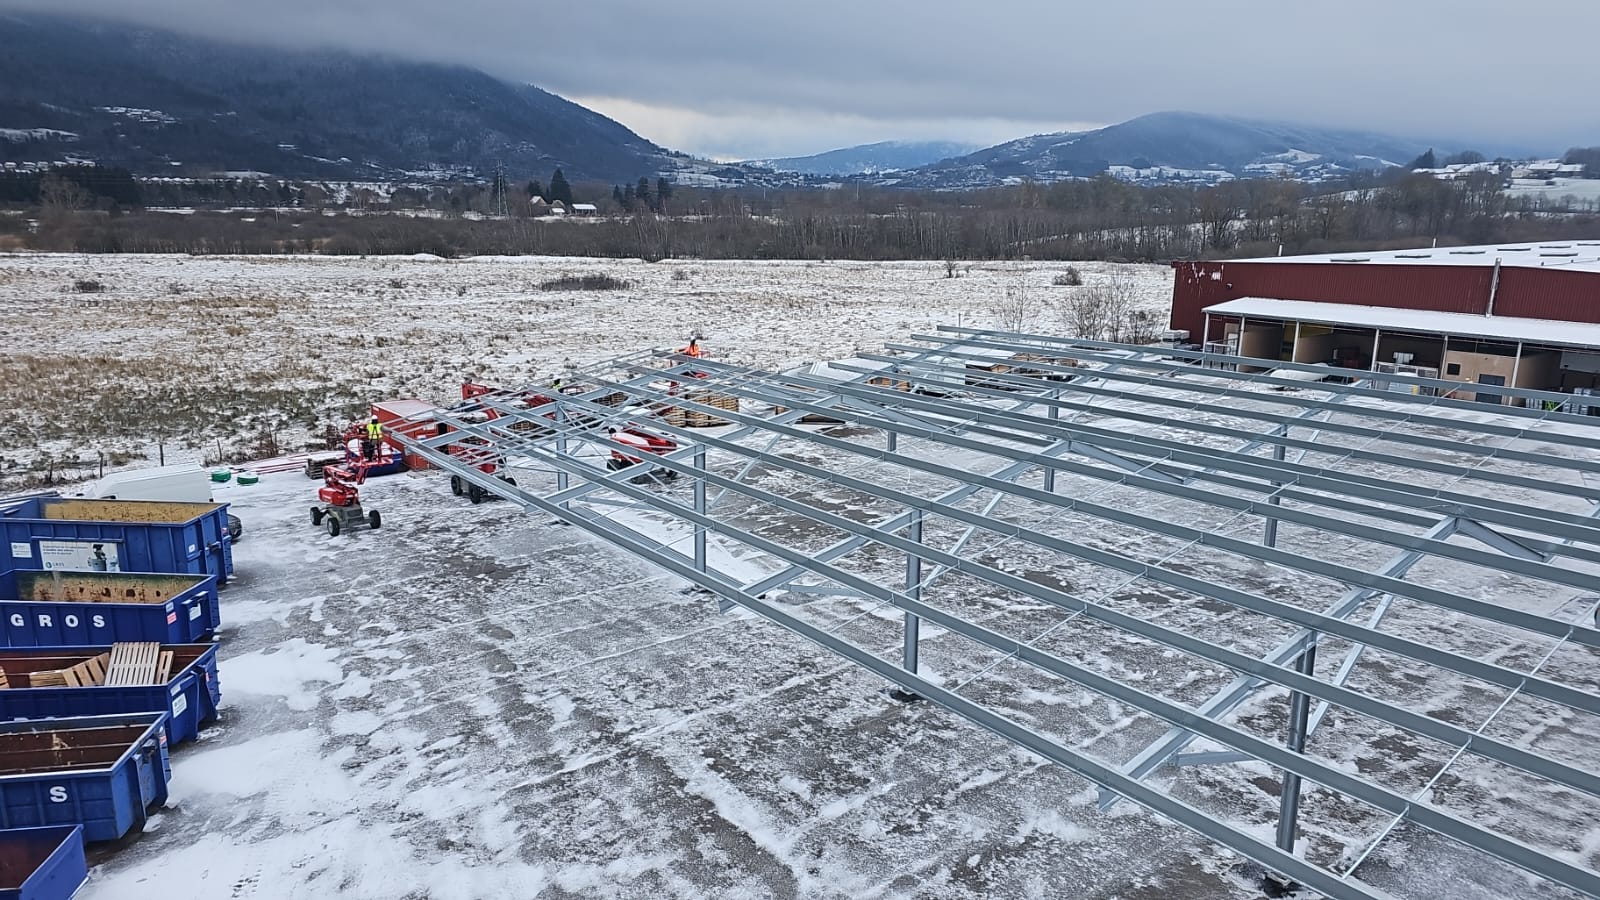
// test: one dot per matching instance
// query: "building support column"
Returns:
(1516, 366)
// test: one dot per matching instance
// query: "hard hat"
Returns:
(374, 420)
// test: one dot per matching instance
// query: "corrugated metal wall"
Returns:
(1548, 294)
(1535, 293)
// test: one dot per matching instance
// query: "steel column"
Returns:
(1269, 531)
(1299, 709)
(913, 590)
(700, 507)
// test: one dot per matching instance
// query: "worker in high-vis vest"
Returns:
(693, 349)
(369, 447)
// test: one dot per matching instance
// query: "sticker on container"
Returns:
(194, 611)
(21, 551)
(172, 618)
(179, 704)
(79, 556)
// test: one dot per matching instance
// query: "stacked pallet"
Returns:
(138, 663)
(693, 418)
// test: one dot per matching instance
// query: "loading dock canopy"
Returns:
(1498, 328)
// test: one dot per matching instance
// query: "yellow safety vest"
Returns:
(374, 431)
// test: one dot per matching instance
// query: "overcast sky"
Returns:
(745, 79)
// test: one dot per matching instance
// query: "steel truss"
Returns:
(1137, 440)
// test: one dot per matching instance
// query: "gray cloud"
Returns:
(731, 78)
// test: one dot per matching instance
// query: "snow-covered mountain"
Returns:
(157, 101)
(1173, 146)
(869, 159)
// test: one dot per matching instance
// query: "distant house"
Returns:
(584, 209)
(557, 209)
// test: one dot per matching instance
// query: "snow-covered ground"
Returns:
(1573, 191)
(225, 347)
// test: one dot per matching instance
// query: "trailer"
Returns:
(45, 863)
(60, 608)
(186, 483)
(73, 534)
(102, 772)
(177, 680)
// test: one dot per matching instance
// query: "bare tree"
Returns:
(1107, 310)
(1017, 309)
(1083, 314)
(59, 202)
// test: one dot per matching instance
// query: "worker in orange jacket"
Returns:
(693, 350)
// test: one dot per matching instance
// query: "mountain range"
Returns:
(159, 102)
(869, 159)
(1173, 146)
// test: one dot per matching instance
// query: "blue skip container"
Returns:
(188, 698)
(72, 534)
(42, 863)
(59, 608)
(102, 772)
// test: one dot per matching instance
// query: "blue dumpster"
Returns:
(73, 534)
(60, 608)
(189, 697)
(101, 772)
(42, 863)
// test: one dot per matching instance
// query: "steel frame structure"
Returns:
(1495, 491)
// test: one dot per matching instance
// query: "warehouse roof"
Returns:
(1582, 256)
(1507, 328)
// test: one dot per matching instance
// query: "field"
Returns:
(218, 356)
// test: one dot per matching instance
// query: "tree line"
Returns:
(1101, 218)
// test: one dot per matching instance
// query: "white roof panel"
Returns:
(1580, 256)
(1504, 328)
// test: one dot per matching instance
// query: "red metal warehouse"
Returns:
(1550, 280)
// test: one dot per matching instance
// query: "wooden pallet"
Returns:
(89, 673)
(134, 663)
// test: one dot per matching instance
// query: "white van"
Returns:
(183, 483)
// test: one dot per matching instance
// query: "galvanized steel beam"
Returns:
(1435, 819)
